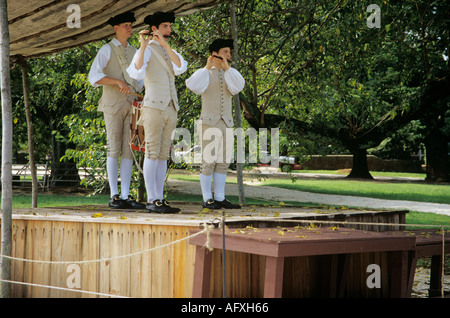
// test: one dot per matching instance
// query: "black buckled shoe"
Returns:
(131, 203)
(225, 204)
(116, 202)
(211, 204)
(159, 206)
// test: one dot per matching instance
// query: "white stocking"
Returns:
(205, 183)
(112, 169)
(161, 170)
(219, 186)
(150, 178)
(126, 167)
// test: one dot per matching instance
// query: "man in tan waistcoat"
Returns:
(217, 82)
(109, 71)
(157, 64)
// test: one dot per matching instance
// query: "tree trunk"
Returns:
(237, 108)
(34, 180)
(436, 144)
(360, 167)
(7, 139)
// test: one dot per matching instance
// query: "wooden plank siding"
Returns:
(73, 234)
(160, 273)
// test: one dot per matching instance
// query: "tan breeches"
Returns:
(214, 148)
(118, 132)
(158, 127)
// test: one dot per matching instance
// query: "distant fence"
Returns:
(50, 175)
(336, 162)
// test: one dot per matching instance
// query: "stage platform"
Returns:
(193, 215)
(132, 253)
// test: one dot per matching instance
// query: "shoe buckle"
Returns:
(158, 203)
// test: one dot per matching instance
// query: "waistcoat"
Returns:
(216, 100)
(159, 83)
(112, 99)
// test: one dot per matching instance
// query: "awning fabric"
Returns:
(42, 27)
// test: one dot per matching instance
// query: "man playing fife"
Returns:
(157, 64)
(217, 82)
(109, 70)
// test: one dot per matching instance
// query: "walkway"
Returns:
(283, 195)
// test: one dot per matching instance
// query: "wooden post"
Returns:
(237, 103)
(26, 95)
(7, 133)
(202, 273)
(273, 283)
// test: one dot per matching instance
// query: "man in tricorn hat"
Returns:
(157, 64)
(109, 71)
(217, 82)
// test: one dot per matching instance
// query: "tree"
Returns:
(316, 68)
(7, 133)
(51, 98)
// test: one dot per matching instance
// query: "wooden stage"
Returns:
(133, 254)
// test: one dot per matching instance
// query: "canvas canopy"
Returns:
(42, 27)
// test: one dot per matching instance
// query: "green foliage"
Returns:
(314, 69)
(87, 134)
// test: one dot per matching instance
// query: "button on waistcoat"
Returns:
(216, 100)
(159, 84)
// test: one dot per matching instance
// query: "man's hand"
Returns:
(224, 64)
(159, 37)
(218, 62)
(210, 62)
(123, 87)
(143, 39)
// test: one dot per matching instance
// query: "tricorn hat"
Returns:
(122, 18)
(217, 44)
(159, 17)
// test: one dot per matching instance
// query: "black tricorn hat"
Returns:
(217, 44)
(159, 17)
(122, 18)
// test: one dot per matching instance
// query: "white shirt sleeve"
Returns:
(183, 67)
(199, 81)
(133, 71)
(234, 80)
(99, 63)
(140, 74)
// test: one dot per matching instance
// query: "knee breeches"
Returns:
(118, 132)
(158, 126)
(216, 151)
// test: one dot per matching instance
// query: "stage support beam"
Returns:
(7, 137)
(237, 103)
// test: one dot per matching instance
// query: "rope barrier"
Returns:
(61, 288)
(208, 226)
(207, 229)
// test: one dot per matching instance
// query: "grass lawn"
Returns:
(410, 191)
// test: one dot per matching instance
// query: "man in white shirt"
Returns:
(109, 71)
(157, 64)
(217, 82)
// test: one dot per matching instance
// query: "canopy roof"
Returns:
(39, 27)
